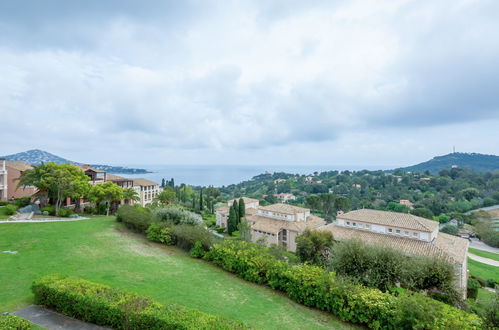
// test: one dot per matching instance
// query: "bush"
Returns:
(472, 290)
(101, 209)
(219, 229)
(22, 201)
(3, 203)
(490, 313)
(12, 322)
(50, 209)
(314, 246)
(135, 218)
(188, 235)
(174, 216)
(102, 305)
(45, 213)
(450, 229)
(65, 213)
(491, 283)
(483, 283)
(312, 286)
(10, 209)
(159, 234)
(89, 210)
(197, 251)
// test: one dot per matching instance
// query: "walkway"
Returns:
(484, 260)
(52, 320)
(45, 220)
(479, 245)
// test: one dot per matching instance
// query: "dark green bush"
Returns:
(103, 305)
(50, 209)
(188, 235)
(65, 213)
(491, 283)
(174, 216)
(135, 218)
(12, 322)
(10, 209)
(160, 234)
(472, 290)
(197, 251)
(22, 201)
(3, 203)
(483, 283)
(89, 210)
(314, 246)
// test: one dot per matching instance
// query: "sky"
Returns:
(360, 83)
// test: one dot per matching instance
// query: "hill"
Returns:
(476, 162)
(37, 157)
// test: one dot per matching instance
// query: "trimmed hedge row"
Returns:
(12, 322)
(103, 305)
(312, 286)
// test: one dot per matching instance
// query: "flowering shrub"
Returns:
(12, 322)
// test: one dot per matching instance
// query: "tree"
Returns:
(57, 181)
(167, 196)
(342, 204)
(313, 201)
(130, 194)
(172, 183)
(423, 212)
(106, 192)
(201, 200)
(242, 208)
(314, 246)
(327, 201)
(163, 183)
(235, 205)
(231, 221)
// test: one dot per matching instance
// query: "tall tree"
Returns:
(242, 208)
(167, 196)
(231, 221)
(163, 183)
(172, 183)
(201, 200)
(106, 192)
(235, 206)
(129, 195)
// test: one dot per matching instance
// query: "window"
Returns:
(390, 230)
(354, 224)
(348, 223)
(415, 234)
(406, 233)
(397, 231)
(368, 226)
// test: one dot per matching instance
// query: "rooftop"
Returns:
(284, 208)
(144, 182)
(270, 225)
(395, 219)
(113, 177)
(246, 200)
(20, 166)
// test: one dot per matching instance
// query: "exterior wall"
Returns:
(221, 219)
(12, 190)
(268, 238)
(147, 193)
(276, 215)
(3, 181)
(292, 240)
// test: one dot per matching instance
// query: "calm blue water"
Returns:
(222, 175)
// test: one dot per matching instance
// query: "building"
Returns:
(146, 189)
(404, 232)
(12, 171)
(277, 224)
(222, 214)
(407, 203)
(285, 197)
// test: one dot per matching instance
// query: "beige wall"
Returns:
(12, 190)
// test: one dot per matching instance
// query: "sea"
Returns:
(224, 175)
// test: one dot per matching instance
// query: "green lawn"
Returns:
(484, 254)
(482, 270)
(101, 250)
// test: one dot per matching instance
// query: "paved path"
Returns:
(479, 245)
(484, 260)
(52, 320)
(44, 220)
(488, 208)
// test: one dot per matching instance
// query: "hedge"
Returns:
(103, 305)
(314, 287)
(12, 322)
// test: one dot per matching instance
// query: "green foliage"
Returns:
(12, 322)
(10, 209)
(188, 235)
(167, 196)
(490, 313)
(232, 221)
(174, 216)
(472, 288)
(314, 287)
(135, 218)
(450, 229)
(22, 201)
(242, 208)
(197, 250)
(442, 218)
(423, 212)
(160, 234)
(106, 192)
(64, 213)
(103, 305)
(314, 246)
(50, 209)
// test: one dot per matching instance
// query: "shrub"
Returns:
(450, 229)
(491, 283)
(3, 203)
(490, 313)
(89, 210)
(10, 209)
(12, 322)
(101, 209)
(472, 290)
(188, 235)
(50, 209)
(45, 213)
(219, 229)
(197, 251)
(103, 305)
(65, 213)
(135, 218)
(314, 246)
(22, 201)
(159, 234)
(174, 216)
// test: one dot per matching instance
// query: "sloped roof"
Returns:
(444, 246)
(113, 177)
(20, 166)
(284, 208)
(246, 200)
(270, 225)
(144, 182)
(395, 219)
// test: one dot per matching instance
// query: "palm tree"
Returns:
(129, 195)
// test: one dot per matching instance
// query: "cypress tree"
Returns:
(172, 183)
(242, 208)
(236, 210)
(201, 200)
(231, 225)
(163, 183)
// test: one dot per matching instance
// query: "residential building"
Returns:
(285, 197)
(404, 232)
(277, 181)
(277, 224)
(96, 176)
(407, 203)
(14, 170)
(3, 180)
(146, 189)
(222, 213)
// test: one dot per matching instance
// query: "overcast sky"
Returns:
(363, 83)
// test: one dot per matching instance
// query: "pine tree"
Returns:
(231, 221)
(242, 208)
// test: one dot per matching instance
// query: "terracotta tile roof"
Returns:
(246, 200)
(270, 225)
(284, 208)
(144, 182)
(225, 210)
(112, 177)
(20, 166)
(444, 246)
(402, 220)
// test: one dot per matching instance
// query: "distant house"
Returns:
(10, 172)
(222, 213)
(407, 203)
(404, 232)
(146, 189)
(285, 197)
(277, 181)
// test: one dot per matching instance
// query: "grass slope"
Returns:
(482, 270)
(484, 254)
(101, 250)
